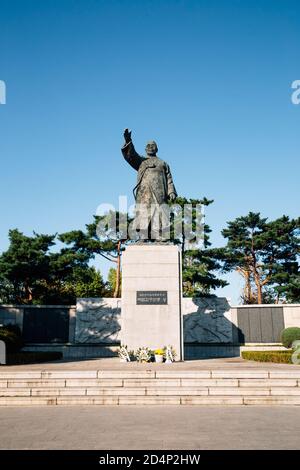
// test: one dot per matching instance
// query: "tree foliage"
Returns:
(265, 254)
(31, 273)
(105, 236)
(23, 265)
(200, 263)
(55, 269)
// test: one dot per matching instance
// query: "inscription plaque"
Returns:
(151, 297)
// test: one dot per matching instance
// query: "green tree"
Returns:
(22, 266)
(291, 290)
(264, 253)
(88, 282)
(200, 263)
(31, 273)
(105, 236)
(84, 281)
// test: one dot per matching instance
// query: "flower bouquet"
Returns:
(124, 355)
(143, 354)
(169, 353)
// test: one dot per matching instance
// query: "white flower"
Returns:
(123, 353)
(143, 354)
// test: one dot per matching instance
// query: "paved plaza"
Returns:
(150, 428)
(235, 363)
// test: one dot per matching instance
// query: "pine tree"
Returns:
(105, 236)
(24, 263)
(264, 253)
(199, 262)
(32, 273)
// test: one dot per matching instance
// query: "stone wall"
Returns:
(11, 315)
(291, 315)
(98, 321)
(258, 323)
(210, 321)
(207, 320)
(35, 318)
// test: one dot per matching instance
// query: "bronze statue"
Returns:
(153, 191)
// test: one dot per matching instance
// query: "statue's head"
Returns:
(151, 148)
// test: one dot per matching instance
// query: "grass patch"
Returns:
(280, 357)
(32, 357)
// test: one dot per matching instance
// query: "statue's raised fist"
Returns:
(127, 136)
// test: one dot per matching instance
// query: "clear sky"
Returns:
(210, 81)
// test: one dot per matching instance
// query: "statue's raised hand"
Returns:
(127, 136)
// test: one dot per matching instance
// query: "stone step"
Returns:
(293, 374)
(153, 387)
(149, 400)
(150, 391)
(152, 374)
(135, 383)
(16, 382)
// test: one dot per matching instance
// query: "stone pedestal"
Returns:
(151, 297)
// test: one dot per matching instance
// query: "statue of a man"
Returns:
(154, 188)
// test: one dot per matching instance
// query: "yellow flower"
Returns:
(159, 352)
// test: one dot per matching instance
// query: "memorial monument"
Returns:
(151, 268)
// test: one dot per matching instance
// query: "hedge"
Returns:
(282, 357)
(33, 357)
(289, 335)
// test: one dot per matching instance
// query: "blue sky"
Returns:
(210, 81)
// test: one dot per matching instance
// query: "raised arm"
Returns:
(129, 153)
